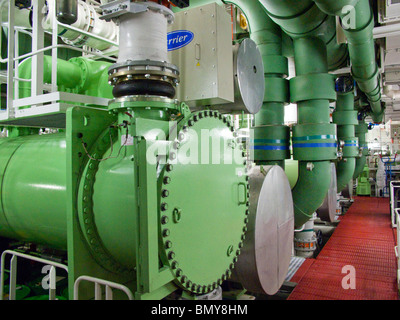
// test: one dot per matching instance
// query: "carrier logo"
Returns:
(179, 39)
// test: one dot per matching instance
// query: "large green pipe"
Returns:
(314, 138)
(33, 195)
(33, 189)
(78, 75)
(359, 32)
(345, 118)
(303, 18)
(362, 54)
(335, 8)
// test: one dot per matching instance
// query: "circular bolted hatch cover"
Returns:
(204, 202)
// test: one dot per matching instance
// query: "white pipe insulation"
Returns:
(143, 36)
(88, 21)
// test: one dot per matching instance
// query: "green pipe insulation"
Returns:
(300, 19)
(362, 54)
(361, 131)
(35, 168)
(335, 8)
(314, 137)
(271, 136)
(359, 33)
(345, 118)
(78, 75)
(33, 189)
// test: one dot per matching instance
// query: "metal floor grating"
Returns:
(365, 240)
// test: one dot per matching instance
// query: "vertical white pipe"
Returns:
(143, 36)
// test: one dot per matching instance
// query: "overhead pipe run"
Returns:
(313, 88)
(358, 25)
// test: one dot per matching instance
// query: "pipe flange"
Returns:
(118, 8)
(143, 69)
(81, 40)
(144, 77)
(190, 225)
(85, 206)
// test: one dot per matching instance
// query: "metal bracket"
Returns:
(118, 8)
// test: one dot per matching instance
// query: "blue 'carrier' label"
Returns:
(179, 39)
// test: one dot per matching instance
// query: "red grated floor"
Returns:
(365, 240)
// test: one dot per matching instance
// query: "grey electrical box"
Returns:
(200, 45)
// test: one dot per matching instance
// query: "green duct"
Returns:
(78, 75)
(334, 8)
(314, 137)
(359, 33)
(345, 118)
(33, 189)
(299, 19)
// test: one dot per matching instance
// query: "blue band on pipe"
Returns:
(271, 148)
(351, 145)
(314, 145)
(308, 138)
(270, 141)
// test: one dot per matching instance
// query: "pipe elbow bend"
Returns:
(310, 190)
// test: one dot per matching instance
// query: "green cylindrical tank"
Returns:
(34, 195)
(33, 192)
(77, 75)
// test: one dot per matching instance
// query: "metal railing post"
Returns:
(97, 288)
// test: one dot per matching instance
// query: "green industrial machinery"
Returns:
(127, 160)
(363, 185)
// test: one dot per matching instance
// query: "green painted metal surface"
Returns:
(314, 137)
(191, 215)
(363, 186)
(99, 196)
(33, 190)
(361, 130)
(268, 37)
(78, 75)
(346, 119)
(362, 54)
